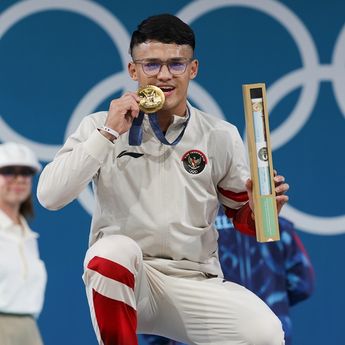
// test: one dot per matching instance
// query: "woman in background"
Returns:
(22, 273)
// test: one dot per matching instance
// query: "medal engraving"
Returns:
(151, 98)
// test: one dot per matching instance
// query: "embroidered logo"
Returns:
(131, 154)
(194, 161)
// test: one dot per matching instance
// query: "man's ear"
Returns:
(194, 69)
(132, 70)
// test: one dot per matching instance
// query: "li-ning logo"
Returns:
(131, 154)
(194, 161)
(308, 77)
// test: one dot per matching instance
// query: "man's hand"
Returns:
(281, 187)
(121, 114)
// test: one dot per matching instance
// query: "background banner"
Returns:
(63, 59)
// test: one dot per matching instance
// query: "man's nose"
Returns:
(164, 73)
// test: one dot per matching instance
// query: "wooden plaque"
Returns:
(260, 158)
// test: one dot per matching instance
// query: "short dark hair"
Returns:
(165, 28)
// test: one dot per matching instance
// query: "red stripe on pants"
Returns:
(116, 320)
(112, 270)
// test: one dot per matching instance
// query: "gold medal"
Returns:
(151, 98)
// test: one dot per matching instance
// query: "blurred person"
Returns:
(152, 265)
(22, 273)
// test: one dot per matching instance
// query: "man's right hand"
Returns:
(121, 114)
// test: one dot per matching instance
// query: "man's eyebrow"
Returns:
(173, 59)
(181, 58)
(151, 59)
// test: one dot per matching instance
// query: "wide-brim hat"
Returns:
(14, 154)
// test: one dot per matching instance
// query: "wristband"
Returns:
(111, 131)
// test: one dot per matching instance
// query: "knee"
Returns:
(118, 249)
(266, 331)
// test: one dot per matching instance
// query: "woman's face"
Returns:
(15, 185)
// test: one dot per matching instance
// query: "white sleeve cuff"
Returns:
(98, 146)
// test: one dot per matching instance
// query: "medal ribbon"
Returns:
(136, 131)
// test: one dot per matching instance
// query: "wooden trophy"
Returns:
(260, 157)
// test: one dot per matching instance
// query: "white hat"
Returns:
(18, 155)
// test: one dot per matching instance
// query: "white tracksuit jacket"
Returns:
(164, 197)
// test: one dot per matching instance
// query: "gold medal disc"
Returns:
(151, 98)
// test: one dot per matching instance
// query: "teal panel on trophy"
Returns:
(269, 217)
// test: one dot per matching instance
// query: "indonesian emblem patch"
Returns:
(194, 161)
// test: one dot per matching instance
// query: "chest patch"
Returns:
(194, 161)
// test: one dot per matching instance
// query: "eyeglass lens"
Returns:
(154, 67)
(174, 67)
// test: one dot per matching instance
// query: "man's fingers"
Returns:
(134, 109)
(282, 199)
(278, 179)
(126, 105)
(282, 188)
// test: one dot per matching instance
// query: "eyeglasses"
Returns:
(153, 67)
(13, 171)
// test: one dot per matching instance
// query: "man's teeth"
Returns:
(166, 89)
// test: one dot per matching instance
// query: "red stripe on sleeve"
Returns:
(112, 270)
(242, 219)
(239, 197)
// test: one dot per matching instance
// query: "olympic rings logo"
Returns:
(310, 75)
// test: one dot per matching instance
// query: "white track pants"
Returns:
(127, 296)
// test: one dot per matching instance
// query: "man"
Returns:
(152, 266)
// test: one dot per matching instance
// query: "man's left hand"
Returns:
(281, 187)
